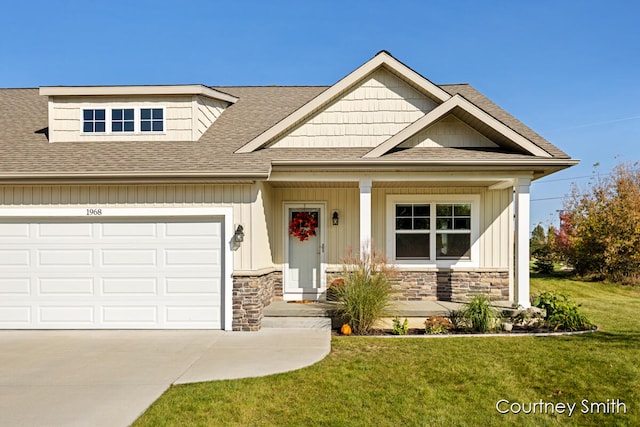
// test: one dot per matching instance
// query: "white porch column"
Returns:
(522, 202)
(365, 216)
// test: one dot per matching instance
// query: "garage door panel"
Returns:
(84, 314)
(111, 273)
(60, 257)
(136, 315)
(15, 258)
(192, 285)
(10, 286)
(64, 230)
(15, 315)
(130, 286)
(66, 286)
(195, 258)
(126, 230)
(14, 230)
(127, 257)
(186, 314)
(198, 230)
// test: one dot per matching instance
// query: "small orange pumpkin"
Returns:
(346, 329)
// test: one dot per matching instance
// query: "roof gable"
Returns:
(469, 113)
(449, 132)
(342, 88)
(380, 106)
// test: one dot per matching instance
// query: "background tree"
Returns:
(600, 228)
(541, 250)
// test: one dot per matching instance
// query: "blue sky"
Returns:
(568, 69)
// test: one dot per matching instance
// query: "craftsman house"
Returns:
(181, 207)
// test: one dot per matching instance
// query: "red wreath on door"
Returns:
(302, 226)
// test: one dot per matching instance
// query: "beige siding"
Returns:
(208, 111)
(494, 220)
(448, 132)
(370, 113)
(183, 122)
(245, 200)
(339, 238)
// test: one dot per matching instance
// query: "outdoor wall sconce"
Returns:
(238, 236)
(335, 218)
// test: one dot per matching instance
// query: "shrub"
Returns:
(332, 293)
(481, 315)
(364, 296)
(561, 312)
(457, 319)
(400, 328)
(437, 325)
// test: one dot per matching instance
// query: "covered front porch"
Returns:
(359, 212)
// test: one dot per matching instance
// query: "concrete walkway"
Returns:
(108, 378)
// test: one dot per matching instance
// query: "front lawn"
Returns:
(451, 381)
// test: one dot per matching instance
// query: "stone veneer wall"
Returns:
(251, 294)
(445, 285)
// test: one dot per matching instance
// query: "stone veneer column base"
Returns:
(251, 294)
(461, 286)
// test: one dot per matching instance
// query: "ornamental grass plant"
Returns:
(365, 295)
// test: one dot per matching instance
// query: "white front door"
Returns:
(303, 278)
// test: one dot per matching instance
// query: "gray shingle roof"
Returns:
(26, 150)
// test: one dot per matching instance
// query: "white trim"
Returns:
(322, 206)
(474, 259)
(136, 90)
(522, 204)
(380, 60)
(137, 119)
(225, 212)
(365, 217)
(440, 111)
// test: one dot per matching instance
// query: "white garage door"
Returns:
(111, 274)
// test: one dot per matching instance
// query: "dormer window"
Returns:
(94, 121)
(151, 120)
(122, 120)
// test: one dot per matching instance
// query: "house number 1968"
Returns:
(94, 212)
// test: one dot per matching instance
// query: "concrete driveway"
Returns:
(108, 378)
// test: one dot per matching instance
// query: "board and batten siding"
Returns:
(186, 117)
(495, 216)
(339, 238)
(243, 198)
(370, 113)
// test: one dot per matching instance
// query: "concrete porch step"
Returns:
(296, 322)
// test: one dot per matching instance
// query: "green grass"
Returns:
(438, 382)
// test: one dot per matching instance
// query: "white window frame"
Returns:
(122, 132)
(136, 120)
(93, 121)
(433, 199)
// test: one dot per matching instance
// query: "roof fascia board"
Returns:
(381, 163)
(392, 176)
(438, 112)
(381, 59)
(136, 90)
